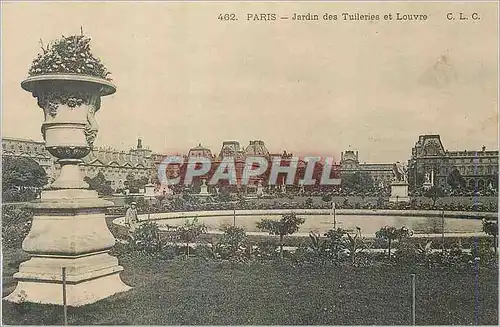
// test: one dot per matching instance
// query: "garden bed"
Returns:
(196, 291)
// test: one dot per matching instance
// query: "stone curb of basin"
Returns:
(229, 213)
(273, 212)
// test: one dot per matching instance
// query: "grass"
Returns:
(201, 292)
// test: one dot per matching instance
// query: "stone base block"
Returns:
(399, 192)
(88, 279)
(399, 199)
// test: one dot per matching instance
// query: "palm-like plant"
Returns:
(354, 243)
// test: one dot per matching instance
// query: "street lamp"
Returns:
(442, 230)
(334, 218)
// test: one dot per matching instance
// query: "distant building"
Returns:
(31, 149)
(256, 148)
(381, 173)
(200, 151)
(478, 168)
(231, 149)
(114, 164)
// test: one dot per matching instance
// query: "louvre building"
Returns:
(114, 164)
(477, 168)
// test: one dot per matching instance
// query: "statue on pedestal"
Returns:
(399, 172)
(204, 188)
(260, 189)
(301, 188)
(399, 185)
(149, 189)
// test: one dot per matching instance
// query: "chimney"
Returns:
(483, 148)
(139, 143)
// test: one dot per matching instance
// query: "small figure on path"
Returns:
(131, 219)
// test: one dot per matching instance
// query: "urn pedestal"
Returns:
(399, 192)
(149, 190)
(260, 189)
(204, 190)
(69, 228)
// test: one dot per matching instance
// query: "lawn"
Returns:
(198, 291)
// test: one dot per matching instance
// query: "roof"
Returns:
(256, 148)
(200, 151)
(21, 140)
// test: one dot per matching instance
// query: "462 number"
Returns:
(225, 17)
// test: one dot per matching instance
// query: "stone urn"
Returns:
(69, 104)
(69, 228)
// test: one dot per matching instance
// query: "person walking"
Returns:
(131, 220)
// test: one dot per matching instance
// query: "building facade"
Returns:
(114, 164)
(32, 149)
(478, 168)
(381, 173)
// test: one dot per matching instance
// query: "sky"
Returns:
(184, 77)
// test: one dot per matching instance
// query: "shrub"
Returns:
(327, 197)
(16, 224)
(205, 251)
(232, 243)
(308, 203)
(189, 232)
(267, 249)
(147, 237)
(491, 228)
(14, 194)
(482, 249)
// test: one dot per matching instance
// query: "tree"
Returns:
(190, 231)
(391, 233)
(16, 223)
(455, 179)
(434, 193)
(357, 181)
(491, 228)
(232, 241)
(21, 178)
(135, 184)
(99, 184)
(287, 225)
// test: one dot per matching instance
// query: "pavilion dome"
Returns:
(200, 151)
(256, 148)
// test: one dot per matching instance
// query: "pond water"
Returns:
(322, 223)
